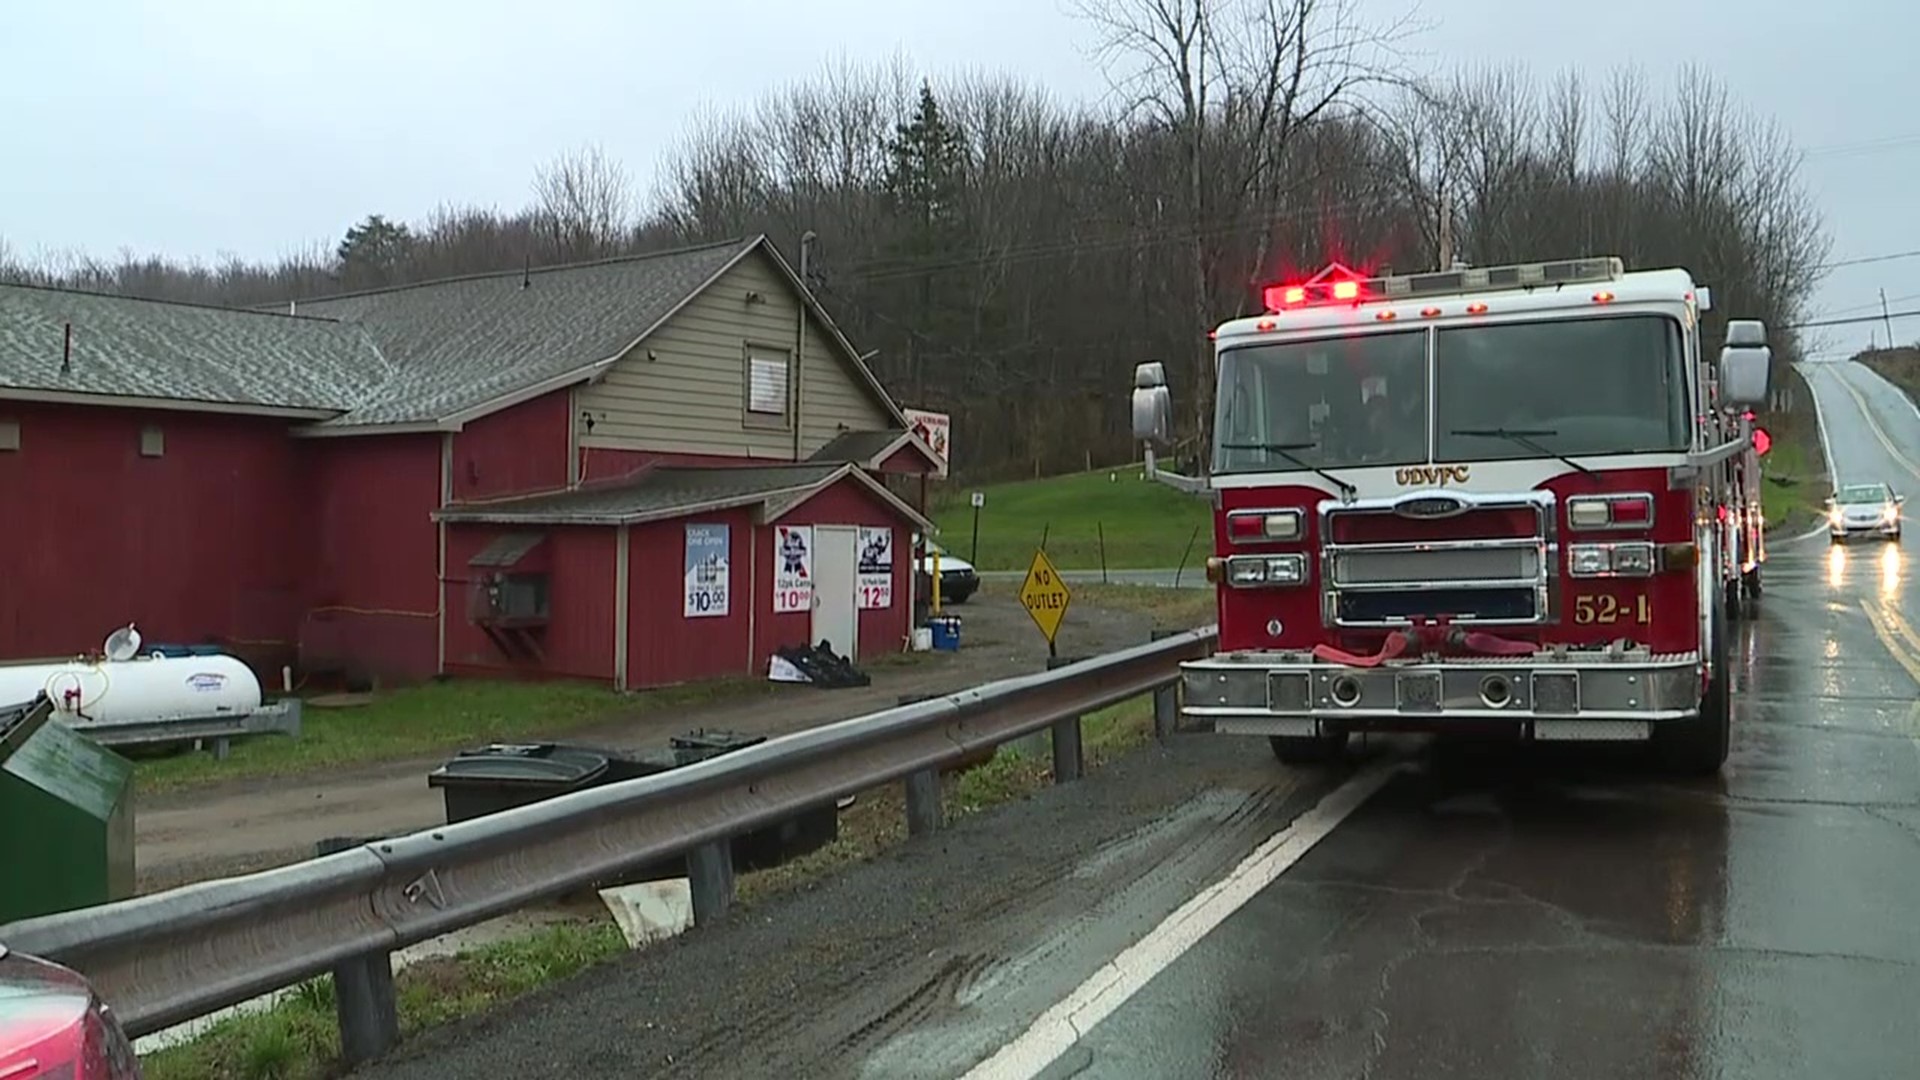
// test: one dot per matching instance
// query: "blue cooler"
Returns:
(946, 632)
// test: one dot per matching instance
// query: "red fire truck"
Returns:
(1519, 499)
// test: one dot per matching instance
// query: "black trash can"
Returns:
(505, 775)
(701, 745)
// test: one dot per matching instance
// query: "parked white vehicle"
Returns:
(958, 579)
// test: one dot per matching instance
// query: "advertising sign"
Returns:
(706, 571)
(793, 568)
(876, 568)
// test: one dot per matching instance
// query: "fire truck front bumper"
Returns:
(1608, 697)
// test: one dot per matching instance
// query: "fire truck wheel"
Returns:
(1752, 582)
(1308, 749)
(1698, 746)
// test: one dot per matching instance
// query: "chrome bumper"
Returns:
(1592, 697)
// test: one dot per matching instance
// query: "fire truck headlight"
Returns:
(1286, 570)
(1589, 560)
(1633, 559)
(1257, 571)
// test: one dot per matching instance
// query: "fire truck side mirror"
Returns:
(1746, 365)
(1745, 371)
(1152, 403)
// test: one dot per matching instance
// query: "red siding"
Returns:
(578, 643)
(374, 555)
(196, 544)
(603, 465)
(664, 645)
(515, 451)
(848, 502)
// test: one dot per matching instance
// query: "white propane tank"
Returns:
(136, 688)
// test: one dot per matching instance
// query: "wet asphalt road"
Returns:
(1488, 913)
(1499, 914)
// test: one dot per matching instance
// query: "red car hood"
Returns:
(43, 1012)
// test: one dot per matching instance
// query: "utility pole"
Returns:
(1886, 317)
(1446, 232)
(798, 375)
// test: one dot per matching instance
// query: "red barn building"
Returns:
(641, 470)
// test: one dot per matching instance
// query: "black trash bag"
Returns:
(825, 668)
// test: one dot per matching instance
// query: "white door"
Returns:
(836, 577)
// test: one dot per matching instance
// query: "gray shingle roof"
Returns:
(860, 446)
(665, 492)
(461, 343)
(412, 354)
(145, 348)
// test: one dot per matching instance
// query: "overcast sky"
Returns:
(199, 127)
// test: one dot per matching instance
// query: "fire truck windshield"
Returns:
(1584, 386)
(1333, 402)
(1576, 386)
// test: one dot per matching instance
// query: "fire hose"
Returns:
(1397, 644)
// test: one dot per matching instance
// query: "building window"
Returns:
(153, 442)
(9, 435)
(767, 385)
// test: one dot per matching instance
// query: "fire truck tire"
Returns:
(1752, 581)
(1698, 746)
(1308, 749)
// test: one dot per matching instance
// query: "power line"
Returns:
(888, 270)
(1863, 147)
(1836, 264)
(1853, 320)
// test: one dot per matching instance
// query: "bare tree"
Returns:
(584, 202)
(1233, 80)
(1085, 241)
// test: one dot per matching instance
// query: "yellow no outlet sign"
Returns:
(1046, 596)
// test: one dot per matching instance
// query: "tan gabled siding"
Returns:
(684, 389)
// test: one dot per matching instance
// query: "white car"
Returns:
(1873, 509)
(958, 579)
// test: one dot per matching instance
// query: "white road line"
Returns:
(1820, 425)
(1826, 450)
(1060, 1027)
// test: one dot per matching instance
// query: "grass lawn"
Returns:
(425, 719)
(1171, 609)
(1145, 525)
(297, 1038)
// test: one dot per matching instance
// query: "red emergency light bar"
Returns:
(1339, 285)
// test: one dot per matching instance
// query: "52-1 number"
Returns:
(1606, 609)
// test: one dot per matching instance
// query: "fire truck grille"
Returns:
(1479, 605)
(1443, 565)
(1382, 569)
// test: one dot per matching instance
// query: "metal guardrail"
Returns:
(279, 717)
(170, 957)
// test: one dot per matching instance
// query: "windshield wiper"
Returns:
(1286, 450)
(1524, 437)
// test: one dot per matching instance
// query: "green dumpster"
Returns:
(66, 816)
